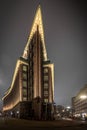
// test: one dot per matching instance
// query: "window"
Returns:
(45, 100)
(24, 68)
(24, 98)
(45, 85)
(46, 78)
(25, 92)
(24, 76)
(45, 92)
(24, 84)
(45, 70)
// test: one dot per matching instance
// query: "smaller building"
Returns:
(79, 103)
(63, 112)
(60, 110)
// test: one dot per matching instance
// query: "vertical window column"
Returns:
(25, 82)
(46, 85)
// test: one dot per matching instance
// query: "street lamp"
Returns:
(83, 96)
(68, 107)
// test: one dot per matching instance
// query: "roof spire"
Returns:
(37, 21)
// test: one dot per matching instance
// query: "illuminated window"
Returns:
(45, 85)
(24, 84)
(25, 92)
(24, 76)
(24, 98)
(24, 68)
(45, 70)
(46, 78)
(46, 93)
(45, 100)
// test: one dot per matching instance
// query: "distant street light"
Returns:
(83, 97)
(68, 107)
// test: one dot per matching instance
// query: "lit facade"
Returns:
(31, 94)
(79, 103)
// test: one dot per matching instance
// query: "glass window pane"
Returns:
(45, 70)
(24, 98)
(45, 85)
(24, 76)
(45, 100)
(46, 78)
(24, 68)
(45, 92)
(25, 92)
(24, 84)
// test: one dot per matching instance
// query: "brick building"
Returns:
(31, 94)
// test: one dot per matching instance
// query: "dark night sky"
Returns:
(65, 28)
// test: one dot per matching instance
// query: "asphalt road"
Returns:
(13, 124)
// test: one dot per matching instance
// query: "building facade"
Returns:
(31, 94)
(79, 103)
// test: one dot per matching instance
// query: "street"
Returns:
(12, 124)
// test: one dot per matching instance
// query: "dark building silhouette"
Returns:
(31, 94)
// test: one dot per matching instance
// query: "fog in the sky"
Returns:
(65, 28)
